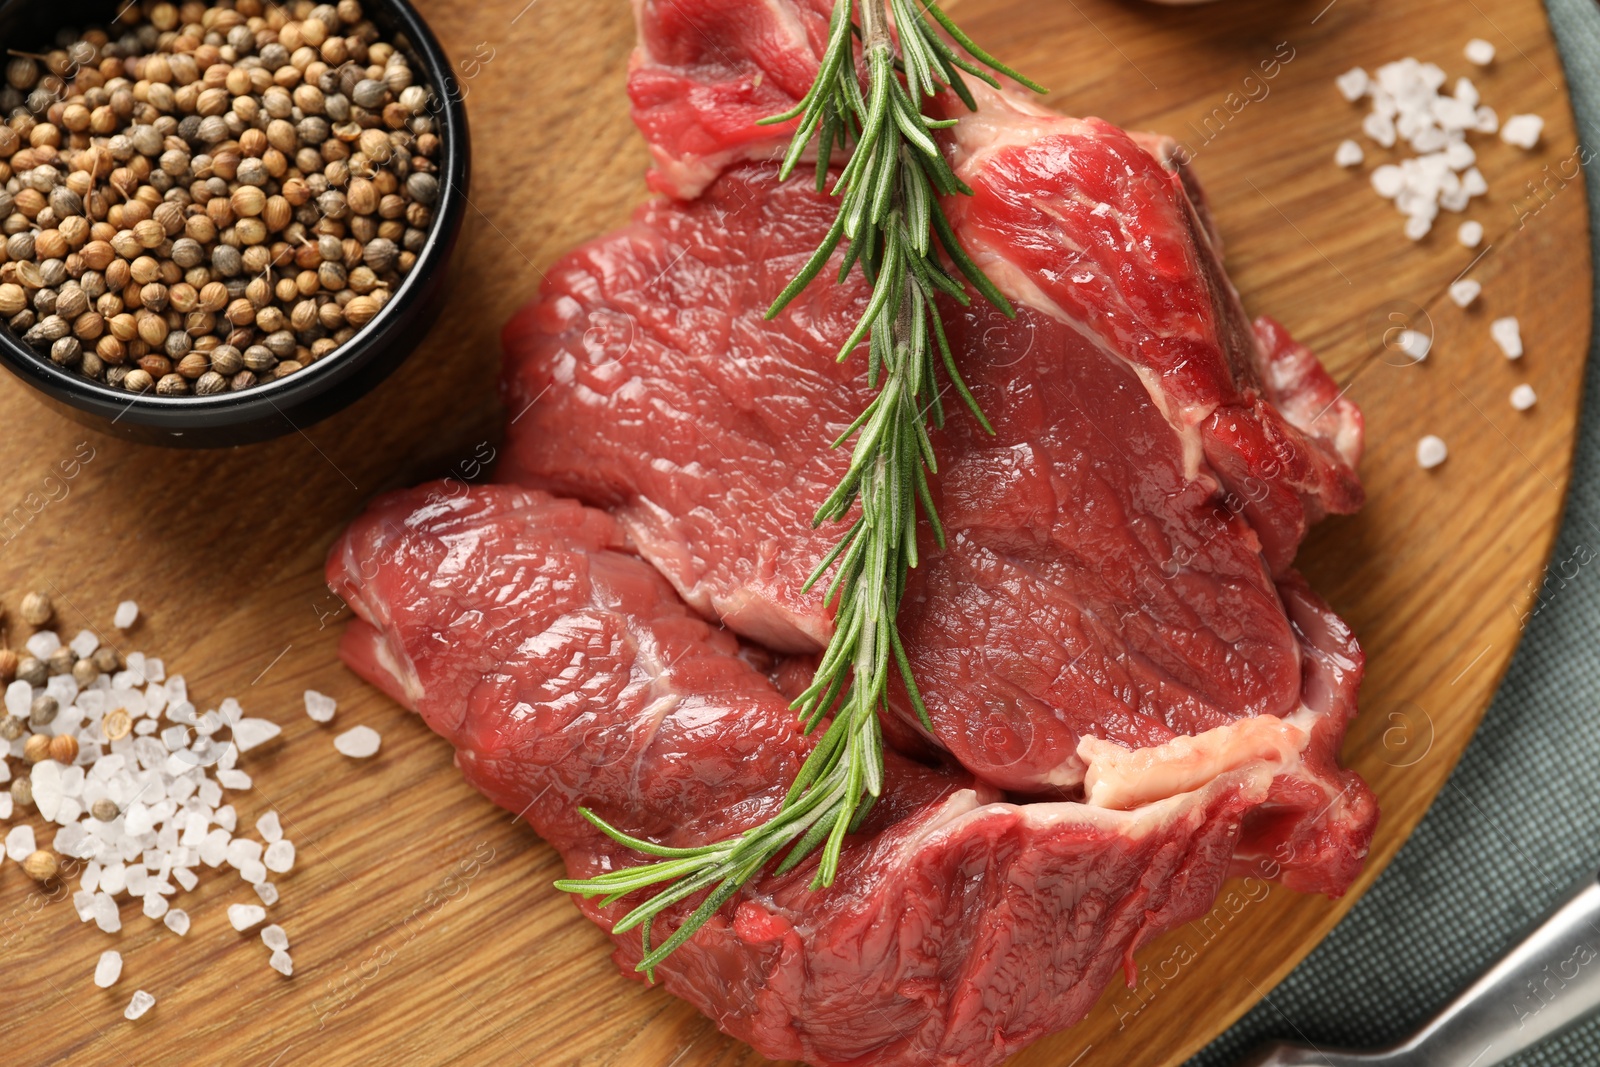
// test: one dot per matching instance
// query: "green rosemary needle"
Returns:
(892, 228)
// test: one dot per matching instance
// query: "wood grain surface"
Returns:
(423, 925)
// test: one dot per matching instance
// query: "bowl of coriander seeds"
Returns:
(222, 221)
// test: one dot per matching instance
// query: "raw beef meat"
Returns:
(1133, 693)
(707, 71)
(566, 672)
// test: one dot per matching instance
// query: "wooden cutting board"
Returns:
(423, 926)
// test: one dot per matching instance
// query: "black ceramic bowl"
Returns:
(325, 386)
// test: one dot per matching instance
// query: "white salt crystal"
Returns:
(1431, 452)
(41, 644)
(275, 938)
(155, 670)
(114, 878)
(1470, 233)
(177, 921)
(1415, 344)
(321, 707)
(85, 643)
(19, 843)
(230, 711)
(1474, 183)
(248, 733)
(214, 849)
(5, 805)
(46, 779)
(186, 878)
(358, 742)
(1465, 291)
(270, 827)
(1522, 397)
(1479, 51)
(155, 905)
(1487, 120)
(127, 614)
(83, 904)
(1417, 227)
(141, 1003)
(280, 962)
(267, 892)
(1379, 128)
(1353, 84)
(253, 871)
(1507, 333)
(109, 969)
(234, 779)
(1522, 130)
(226, 818)
(106, 915)
(1389, 181)
(242, 850)
(19, 698)
(244, 916)
(279, 857)
(1348, 154)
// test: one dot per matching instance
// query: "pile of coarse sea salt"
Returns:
(141, 810)
(1408, 105)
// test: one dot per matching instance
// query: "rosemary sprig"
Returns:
(892, 228)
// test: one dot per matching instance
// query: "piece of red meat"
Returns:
(706, 72)
(1090, 589)
(565, 672)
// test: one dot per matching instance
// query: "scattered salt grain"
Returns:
(1431, 452)
(109, 969)
(358, 742)
(1479, 51)
(1349, 154)
(1465, 291)
(177, 921)
(42, 644)
(1389, 181)
(1522, 130)
(1353, 84)
(1415, 344)
(244, 916)
(267, 892)
(321, 707)
(1470, 233)
(275, 938)
(83, 646)
(1507, 333)
(280, 962)
(19, 697)
(155, 905)
(1523, 397)
(19, 843)
(279, 857)
(141, 1003)
(269, 827)
(250, 733)
(127, 614)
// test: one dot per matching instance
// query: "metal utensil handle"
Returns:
(1543, 985)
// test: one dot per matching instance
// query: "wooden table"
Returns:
(424, 930)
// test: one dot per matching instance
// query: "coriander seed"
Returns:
(37, 609)
(21, 792)
(116, 725)
(32, 671)
(37, 748)
(64, 748)
(9, 662)
(105, 809)
(41, 866)
(42, 712)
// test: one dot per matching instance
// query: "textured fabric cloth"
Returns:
(1519, 821)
